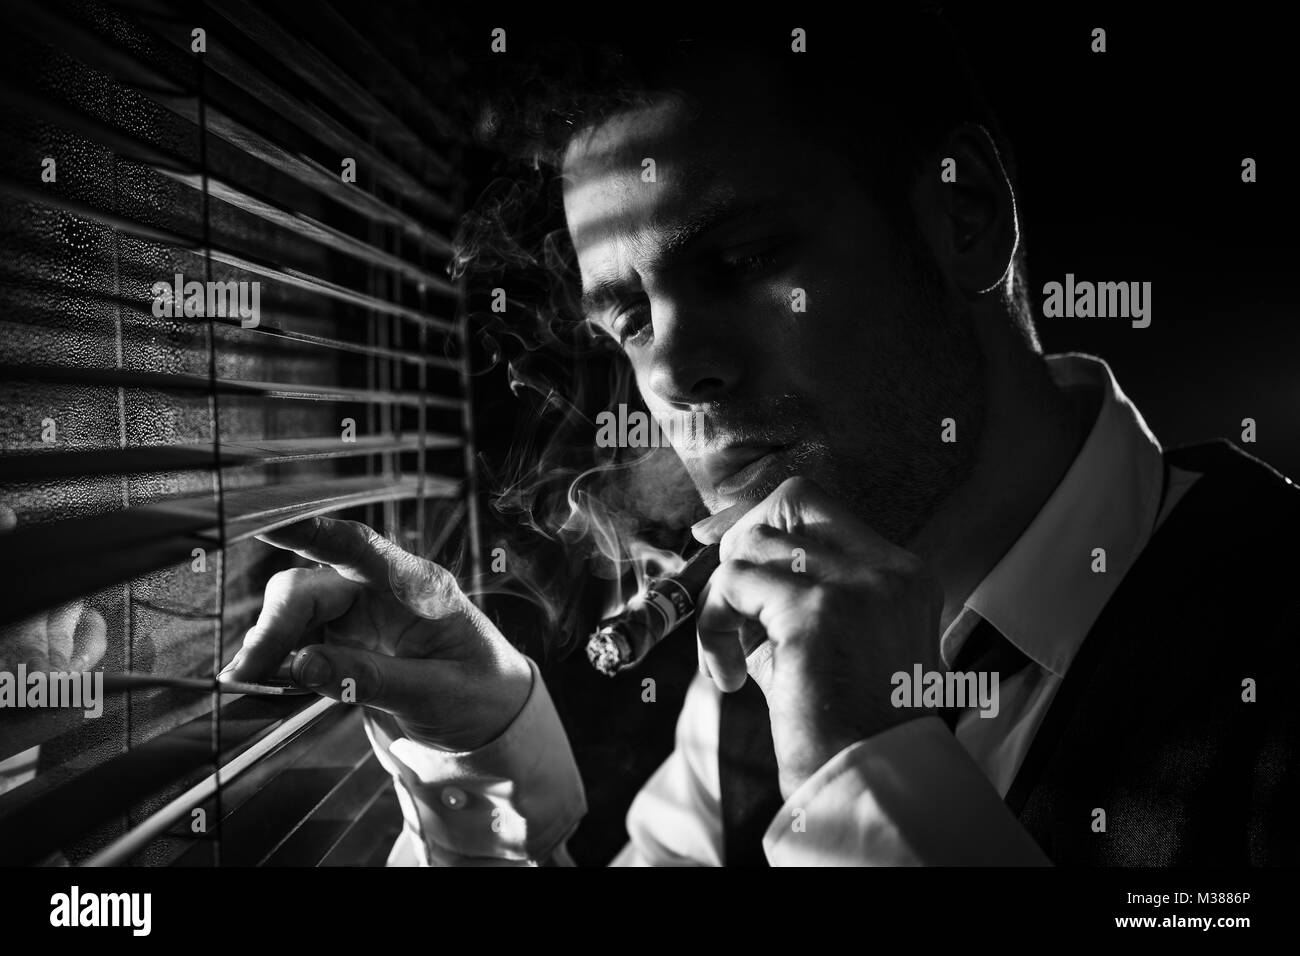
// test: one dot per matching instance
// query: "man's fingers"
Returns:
(360, 554)
(90, 640)
(739, 591)
(703, 664)
(721, 658)
(764, 544)
(799, 506)
(60, 630)
(352, 549)
(356, 676)
(710, 530)
(732, 632)
(297, 602)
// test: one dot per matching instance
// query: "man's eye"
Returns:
(631, 325)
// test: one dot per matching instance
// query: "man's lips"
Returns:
(735, 468)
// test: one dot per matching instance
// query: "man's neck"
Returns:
(1033, 432)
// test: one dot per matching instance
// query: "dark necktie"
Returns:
(750, 793)
(986, 651)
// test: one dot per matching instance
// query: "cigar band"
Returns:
(670, 599)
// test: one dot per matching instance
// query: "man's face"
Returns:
(754, 284)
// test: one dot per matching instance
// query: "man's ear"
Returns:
(966, 209)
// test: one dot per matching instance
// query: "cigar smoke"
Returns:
(617, 514)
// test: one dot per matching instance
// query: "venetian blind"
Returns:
(292, 161)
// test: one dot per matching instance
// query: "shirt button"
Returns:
(453, 797)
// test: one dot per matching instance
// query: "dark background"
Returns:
(1130, 170)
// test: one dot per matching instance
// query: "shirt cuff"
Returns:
(517, 798)
(910, 796)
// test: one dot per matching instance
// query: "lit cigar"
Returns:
(622, 641)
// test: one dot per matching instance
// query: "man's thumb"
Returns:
(711, 529)
(350, 675)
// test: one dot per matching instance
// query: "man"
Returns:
(901, 484)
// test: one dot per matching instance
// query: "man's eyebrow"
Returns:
(602, 294)
(676, 240)
(712, 215)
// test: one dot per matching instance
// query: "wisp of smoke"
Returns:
(610, 510)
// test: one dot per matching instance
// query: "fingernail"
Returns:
(227, 672)
(311, 669)
(701, 530)
(711, 529)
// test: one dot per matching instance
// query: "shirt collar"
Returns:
(1043, 595)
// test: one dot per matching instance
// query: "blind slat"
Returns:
(393, 80)
(374, 351)
(103, 54)
(175, 167)
(333, 819)
(169, 164)
(182, 756)
(178, 382)
(40, 465)
(319, 72)
(307, 171)
(43, 22)
(314, 121)
(294, 277)
(58, 561)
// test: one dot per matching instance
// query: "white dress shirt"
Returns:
(914, 794)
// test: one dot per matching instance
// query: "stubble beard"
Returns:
(896, 469)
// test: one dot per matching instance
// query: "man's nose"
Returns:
(697, 357)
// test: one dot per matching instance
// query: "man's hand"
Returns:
(397, 627)
(72, 637)
(839, 618)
